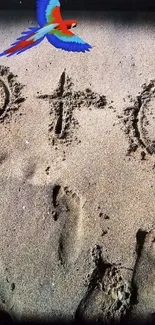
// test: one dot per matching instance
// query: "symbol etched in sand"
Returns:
(69, 212)
(63, 102)
(4, 97)
(139, 120)
(10, 94)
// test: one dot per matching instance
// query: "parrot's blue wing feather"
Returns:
(71, 43)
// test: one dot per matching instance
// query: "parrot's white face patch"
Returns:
(74, 25)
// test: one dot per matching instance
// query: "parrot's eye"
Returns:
(73, 25)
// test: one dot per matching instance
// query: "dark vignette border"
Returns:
(148, 5)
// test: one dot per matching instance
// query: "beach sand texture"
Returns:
(77, 171)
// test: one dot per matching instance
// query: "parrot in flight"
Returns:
(53, 27)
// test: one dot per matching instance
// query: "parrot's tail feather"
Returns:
(2, 54)
(24, 42)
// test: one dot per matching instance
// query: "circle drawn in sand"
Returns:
(139, 120)
(10, 93)
(147, 118)
(4, 97)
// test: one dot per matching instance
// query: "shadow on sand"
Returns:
(5, 319)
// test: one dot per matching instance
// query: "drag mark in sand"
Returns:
(108, 294)
(10, 94)
(139, 120)
(68, 211)
(63, 103)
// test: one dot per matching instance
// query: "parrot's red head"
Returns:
(74, 23)
(71, 23)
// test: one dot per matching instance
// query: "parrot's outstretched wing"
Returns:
(48, 11)
(68, 41)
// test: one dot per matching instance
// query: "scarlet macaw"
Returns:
(56, 30)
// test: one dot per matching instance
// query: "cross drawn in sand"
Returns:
(64, 101)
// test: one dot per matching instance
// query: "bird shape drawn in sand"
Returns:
(53, 27)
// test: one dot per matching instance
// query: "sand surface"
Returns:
(77, 171)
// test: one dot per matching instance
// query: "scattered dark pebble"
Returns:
(13, 286)
(47, 170)
(104, 232)
(106, 217)
(142, 155)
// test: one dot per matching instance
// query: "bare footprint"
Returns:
(108, 294)
(29, 170)
(7, 290)
(68, 210)
(144, 276)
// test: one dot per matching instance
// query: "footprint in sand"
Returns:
(10, 94)
(29, 170)
(7, 290)
(68, 211)
(144, 276)
(108, 294)
(139, 120)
